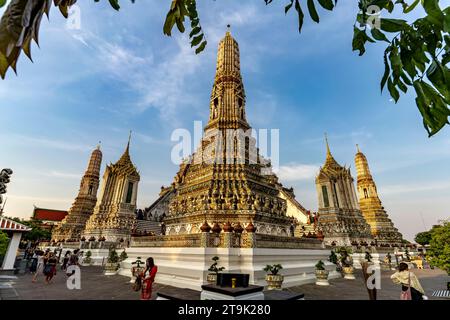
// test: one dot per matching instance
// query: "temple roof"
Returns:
(48, 214)
(125, 163)
(331, 167)
(11, 225)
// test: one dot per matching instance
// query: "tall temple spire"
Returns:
(82, 208)
(125, 158)
(330, 162)
(381, 226)
(227, 104)
(328, 146)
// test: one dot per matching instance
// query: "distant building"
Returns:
(114, 214)
(48, 218)
(340, 218)
(382, 228)
(83, 206)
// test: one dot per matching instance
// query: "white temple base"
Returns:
(188, 267)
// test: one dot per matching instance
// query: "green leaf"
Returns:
(312, 11)
(195, 31)
(359, 39)
(169, 23)
(387, 71)
(115, 4)
(393, 25)
(378, 35)
(196, 40)
(201, 47)
(435, 14)
(327, 4)
(288, 7)
(393, 91)
(301, 15)
(2, 3)
(411, 7)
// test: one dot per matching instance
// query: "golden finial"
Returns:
(357, 148)
(98, 145)
(328, 146)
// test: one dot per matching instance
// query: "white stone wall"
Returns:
(187, 267)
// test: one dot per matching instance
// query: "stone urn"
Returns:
(111, 268)
(349, 272)
(212, 278)
(322, 277)
(274, 281)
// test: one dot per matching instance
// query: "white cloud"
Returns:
(414, 188)
(65, 175)
(298, 172)
(49, 143)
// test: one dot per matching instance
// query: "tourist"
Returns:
(40, 264)
(50, 268)
(73, 261)
(148, 277)
(66, 260)
(34, 262)
(408, 280)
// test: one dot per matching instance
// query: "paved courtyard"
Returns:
(96, 286)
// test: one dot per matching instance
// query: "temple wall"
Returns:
(187, 267)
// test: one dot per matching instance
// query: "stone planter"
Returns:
(111, 268)
(322, 278)
(274, 281)
(349, 273)
(211, 278)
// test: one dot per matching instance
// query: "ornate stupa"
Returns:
(340, 218)
(114, 214)
(226, 183)
(71, 227)
(382, 228)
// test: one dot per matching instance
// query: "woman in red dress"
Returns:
(148, 277)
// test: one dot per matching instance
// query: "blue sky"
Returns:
(120, 73)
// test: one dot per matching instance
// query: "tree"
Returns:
(4, 241)
(423, 238)
(439, 251)
(416, 56)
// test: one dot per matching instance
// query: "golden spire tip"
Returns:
(328, 146)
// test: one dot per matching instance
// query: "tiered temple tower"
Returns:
(340, 219)
(71, 227)
(225, 182)
(382, 228)
(114, 214)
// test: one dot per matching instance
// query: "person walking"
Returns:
(50, 268)
(411, 288)
(148, 277)
(40, 264)
(66, 260)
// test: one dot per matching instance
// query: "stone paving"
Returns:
(96, 286)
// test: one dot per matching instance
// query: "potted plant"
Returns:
(274, 280)
(123, 256)
(321, 274)
(87, 258)
(333, 258)
(112, 264)
(212, 276)
(347, 263)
